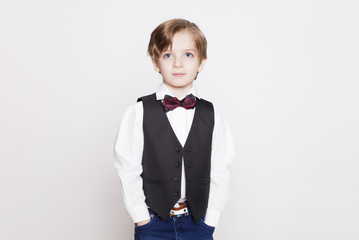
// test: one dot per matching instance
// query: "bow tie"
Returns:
(169, 103)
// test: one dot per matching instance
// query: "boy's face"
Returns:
(179, 66)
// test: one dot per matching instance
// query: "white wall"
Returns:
(289, 70)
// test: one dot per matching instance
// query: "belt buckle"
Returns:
(180, 211)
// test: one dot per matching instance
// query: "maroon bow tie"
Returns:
(169, 103)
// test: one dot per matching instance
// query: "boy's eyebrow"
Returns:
(191, 49)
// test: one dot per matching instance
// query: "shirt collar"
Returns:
(163, 90)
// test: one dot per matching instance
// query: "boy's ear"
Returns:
(155, 66)
(201, 65)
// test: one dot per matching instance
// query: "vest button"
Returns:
(176, 194)
(178, 164)
(177, 179)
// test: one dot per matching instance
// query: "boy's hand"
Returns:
(143, 222)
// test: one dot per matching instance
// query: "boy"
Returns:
(173, 149)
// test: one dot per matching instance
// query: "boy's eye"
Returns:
(167, 55)
(189, 55)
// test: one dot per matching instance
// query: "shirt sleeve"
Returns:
(128, 152)
(222, 155)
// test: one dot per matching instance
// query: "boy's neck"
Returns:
(180, 91)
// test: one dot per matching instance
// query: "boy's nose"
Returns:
(177, 62)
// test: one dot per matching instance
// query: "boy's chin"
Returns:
(177, 84)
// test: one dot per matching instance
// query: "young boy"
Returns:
(173, 149)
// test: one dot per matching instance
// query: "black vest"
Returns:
(162, 158)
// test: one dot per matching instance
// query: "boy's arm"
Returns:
(128, 162)
(222, 155)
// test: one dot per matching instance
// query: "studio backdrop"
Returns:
(283, 73)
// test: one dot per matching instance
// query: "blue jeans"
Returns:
(176, 228)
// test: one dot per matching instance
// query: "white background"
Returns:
(283, 73)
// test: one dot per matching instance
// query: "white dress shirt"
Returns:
(129, 148)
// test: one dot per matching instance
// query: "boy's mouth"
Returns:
(178, 74)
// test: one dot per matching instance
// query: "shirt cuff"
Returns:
(138, 213)
(212, 217)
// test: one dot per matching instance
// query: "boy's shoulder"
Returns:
(146, 97)
(135, 109)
